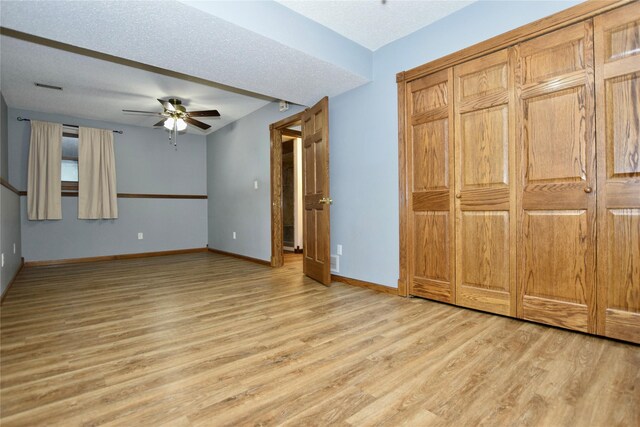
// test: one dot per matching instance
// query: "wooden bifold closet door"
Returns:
(484, 186)
(522, 174)
(430, 170)
(617, 52)
(557, 204)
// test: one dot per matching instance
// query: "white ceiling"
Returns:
(259, 47)
(372, 23)
(171, 35)
(98, 89)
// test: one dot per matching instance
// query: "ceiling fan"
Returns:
(176, 116)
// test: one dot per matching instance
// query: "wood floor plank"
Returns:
(205, 339)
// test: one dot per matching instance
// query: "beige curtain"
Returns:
(44, 200)
(97, 196)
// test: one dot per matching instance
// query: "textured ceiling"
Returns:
(373, 23)
(181, 38)
(261, 48)
(97, 89)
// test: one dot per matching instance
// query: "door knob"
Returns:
(326, 201)
(458, 195)
(588, 189)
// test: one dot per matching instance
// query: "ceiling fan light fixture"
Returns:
(175, 118)
(169, 123)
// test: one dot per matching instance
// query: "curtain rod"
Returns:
(22, 119)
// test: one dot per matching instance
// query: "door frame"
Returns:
(276, 130)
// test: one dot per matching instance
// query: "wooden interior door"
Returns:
(485, 183)
(431, 269)
(315, 187)
(556, 194)
(617, 51)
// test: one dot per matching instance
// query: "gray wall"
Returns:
(237, 155)
(9, 211)
(166, 224)
(145, 163)
(363, 154)
(9, 234)
(4, 136)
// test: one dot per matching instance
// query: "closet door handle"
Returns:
(588, 189)
(458, 196)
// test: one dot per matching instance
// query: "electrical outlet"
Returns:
(140, 236)
(339, 249)
(234, 235)
(255, 184)
(2, 260)
(14, 248)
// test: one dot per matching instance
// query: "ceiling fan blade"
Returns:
(206, 113)
(167, 105)
(197, 123)
(160, 123)
(142, 112)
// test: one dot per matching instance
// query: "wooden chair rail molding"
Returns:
(566, 17)
(161, 196)
(8, 186)
(134, 195)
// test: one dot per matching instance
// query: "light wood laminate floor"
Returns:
(204, 339)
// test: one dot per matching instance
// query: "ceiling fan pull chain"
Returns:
(175, 135)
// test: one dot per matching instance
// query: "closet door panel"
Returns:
(485, 250)
(621, 293)
(556, 272)
(555, 56)
(623, 138)
(432, 271)
(617, 49)
(430, 166)
(557, 180)
(556, 140)
(430, 147)
(484, 138)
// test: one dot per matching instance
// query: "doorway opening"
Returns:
(286, 191)
(314, 132)
(292, 204)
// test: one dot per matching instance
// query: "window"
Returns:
(69, 169)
